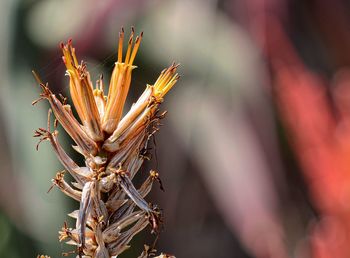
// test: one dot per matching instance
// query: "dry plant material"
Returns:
(111, 210)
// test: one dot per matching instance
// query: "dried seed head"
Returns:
(111, 209)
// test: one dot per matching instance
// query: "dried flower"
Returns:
(111, 209)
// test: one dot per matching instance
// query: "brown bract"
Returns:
(111, 210)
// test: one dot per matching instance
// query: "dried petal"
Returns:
(72, 127)
(81, 91)
(65, 187)
(165, 81)
(112, 232)
(126, 207)
(131, 191)
(84, 211)
(126, 151)
(136, 128)
(100, 98)
(119, 86)
(120, 244)
(101, 250)
(130, 117)
(67, 162)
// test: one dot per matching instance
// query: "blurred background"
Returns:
(254, 153)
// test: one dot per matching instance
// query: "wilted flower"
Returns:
(111, 209)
